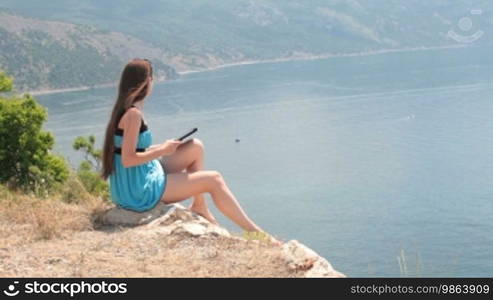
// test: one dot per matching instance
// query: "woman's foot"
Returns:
(275, 242)
(204, 212)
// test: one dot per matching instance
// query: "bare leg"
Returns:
(183, 185)
(190, 156)
(229, 206)
(199, 205)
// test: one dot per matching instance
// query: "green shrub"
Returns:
(74, 191)
(89, 169)
(92, 181)
(6, 83)
(26, 160)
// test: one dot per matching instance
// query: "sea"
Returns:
(382, 164)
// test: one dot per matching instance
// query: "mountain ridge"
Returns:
(195, 35)
(45, 55)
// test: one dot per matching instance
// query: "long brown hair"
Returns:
(134, 86)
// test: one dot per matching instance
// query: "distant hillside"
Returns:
(196, 34)
(46, 55)
(268, 28)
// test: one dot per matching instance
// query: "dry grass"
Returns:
(45, 218)
(49, 238)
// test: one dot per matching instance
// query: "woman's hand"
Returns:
(169, 147)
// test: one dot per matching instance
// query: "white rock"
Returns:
(300, 257)
(123, 217)
(192, 229)
(176, 219)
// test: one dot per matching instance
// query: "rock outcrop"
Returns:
(176, 220)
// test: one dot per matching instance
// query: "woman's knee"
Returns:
(216, 178)
(197, 143)
(194, 147)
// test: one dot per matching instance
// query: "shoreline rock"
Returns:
(176, 220)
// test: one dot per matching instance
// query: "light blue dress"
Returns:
(140, 187)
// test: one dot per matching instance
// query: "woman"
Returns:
(141, 175)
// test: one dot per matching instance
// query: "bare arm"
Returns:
(160, 145)
(131, 128)
(154, 146)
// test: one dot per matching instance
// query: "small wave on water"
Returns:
(407, 118)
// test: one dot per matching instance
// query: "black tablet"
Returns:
(192, 131)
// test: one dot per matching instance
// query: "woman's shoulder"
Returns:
(132, 114)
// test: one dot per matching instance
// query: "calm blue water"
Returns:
(361, 158)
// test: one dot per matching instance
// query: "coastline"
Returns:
(301, 57)
(66, 90)
(321, 56)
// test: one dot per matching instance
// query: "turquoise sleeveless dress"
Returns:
(138, 188)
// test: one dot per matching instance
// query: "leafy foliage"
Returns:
(92, 156)
(26, 160)
(89, 169)
(6, 83)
